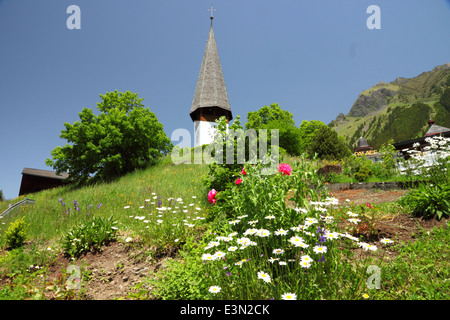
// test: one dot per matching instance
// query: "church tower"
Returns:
(210, 98)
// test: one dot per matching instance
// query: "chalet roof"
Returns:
(435, 129)
(44, 173)
(210, 90)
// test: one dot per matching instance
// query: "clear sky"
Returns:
(312, 57)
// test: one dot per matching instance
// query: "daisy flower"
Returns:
(331, 235)
(208, 257)
(306, 258)
(320, 249)
(302, 245)
(281, 232)
(250, 231)
(353, 220)
(278, 251)
(289, 296)
(310, 221)
(271, 217)
(263, 233)
(219, 254)
(214, 289)
(264, 276)
(232, 249)
(305, 264)
(386, 241)
(243, 241)
(272, 260)
(296, 240)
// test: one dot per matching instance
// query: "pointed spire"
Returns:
(210, 90)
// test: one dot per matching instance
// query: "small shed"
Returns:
(34, 180)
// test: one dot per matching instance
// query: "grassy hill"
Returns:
(55, 211)
(398, 110)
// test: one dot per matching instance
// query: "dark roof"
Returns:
(44, 173)
(211, 90)
(361, 143)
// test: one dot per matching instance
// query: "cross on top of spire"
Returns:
(212, 10)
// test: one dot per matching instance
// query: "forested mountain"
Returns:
(398, 110)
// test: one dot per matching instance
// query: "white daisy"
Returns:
(289, 296)
(264, 276)
(278, 251)
(214, 289)
(281, 232)
(320, 249)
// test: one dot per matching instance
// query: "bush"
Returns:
(16, 234)
(363, 173)
(89, 236)
(429, 200)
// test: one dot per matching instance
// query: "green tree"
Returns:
(328, 145)
(125, 136)
(273, 117)
(307, 131)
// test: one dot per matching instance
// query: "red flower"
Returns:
(238, 181)
(243, 172)
(212, 196)
(285, 169)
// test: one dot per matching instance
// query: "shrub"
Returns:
(363, 173)
(89, 236)
(16, 234)
(429, 200)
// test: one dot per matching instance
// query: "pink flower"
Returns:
(243, 172)
(285, 169)
(212, 196)
(238, 181)
(369, 205)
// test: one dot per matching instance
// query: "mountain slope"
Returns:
(398, 110)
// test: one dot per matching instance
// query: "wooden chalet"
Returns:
(34, 180)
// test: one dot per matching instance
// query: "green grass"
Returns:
(49, 220)
(420, 270)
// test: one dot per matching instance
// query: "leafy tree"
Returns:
(2, 197)
(125, 136)
(307, 131)
(273, 117)
(328, 145)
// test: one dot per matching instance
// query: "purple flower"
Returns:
(99, 205)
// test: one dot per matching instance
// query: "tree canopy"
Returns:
(125, 136)
(273, 117)
(308, 130)
(326, 144)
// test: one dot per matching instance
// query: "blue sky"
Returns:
(311, 57)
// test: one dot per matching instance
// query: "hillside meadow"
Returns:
(154, 235)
